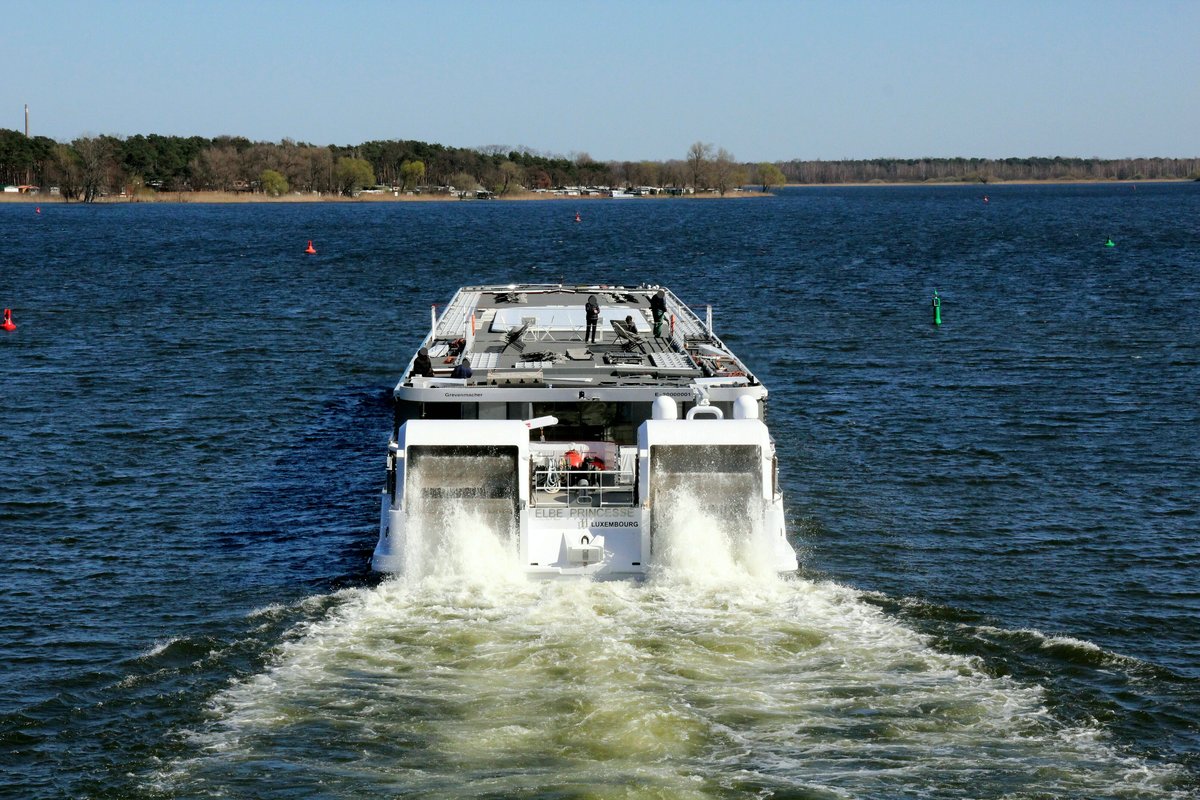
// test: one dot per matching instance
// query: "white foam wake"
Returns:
(458, 543)
(711, 679)
(697, 540)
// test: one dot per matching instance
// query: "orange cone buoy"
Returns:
(8, 324)
(312, 251)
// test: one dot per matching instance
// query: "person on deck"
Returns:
(462, 369)
(658, 307)
(592, 311)
(422, 365)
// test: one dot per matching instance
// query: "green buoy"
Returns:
(1110, 243)
(937, 308)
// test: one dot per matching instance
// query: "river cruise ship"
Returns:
(577, 436)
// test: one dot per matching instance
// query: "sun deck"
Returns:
(526, 336)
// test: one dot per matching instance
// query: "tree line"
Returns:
(983, 170)
(91, 166)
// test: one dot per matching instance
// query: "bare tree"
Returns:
(650, 173)
(94, 155)
(292, 163)
(699, 156)
(258, 159)
(725, 171)
(217, 168)
(674, 173)
(66, 171)
(316, 174)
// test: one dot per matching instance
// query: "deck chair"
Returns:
(628, 339)
(513, 338)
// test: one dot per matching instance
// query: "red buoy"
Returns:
(8, 324)
(577, 217)
(312, 251)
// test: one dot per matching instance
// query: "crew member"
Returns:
(422, 365)
(592, 311)
(658, 307)
(462, 369)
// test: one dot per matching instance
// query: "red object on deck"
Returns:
(8, 324)
(312, 251)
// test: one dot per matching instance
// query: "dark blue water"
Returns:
(194, 415)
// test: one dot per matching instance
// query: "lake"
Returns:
(996, 517)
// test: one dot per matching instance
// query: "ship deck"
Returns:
(529, 335)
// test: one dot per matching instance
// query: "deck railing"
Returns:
(556, 484)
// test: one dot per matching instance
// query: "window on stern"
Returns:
(583, 421)
(630, 417)
(594, 420)
(443, 411)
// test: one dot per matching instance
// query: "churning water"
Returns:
(996, 519)
(461, 513)
(712, 679)
(710, 529)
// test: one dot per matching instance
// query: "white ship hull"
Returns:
(561, 503)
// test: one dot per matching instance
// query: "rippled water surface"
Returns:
(996, 519)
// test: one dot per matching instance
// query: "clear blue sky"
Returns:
(621, 80)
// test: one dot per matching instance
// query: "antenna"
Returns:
(29, 169)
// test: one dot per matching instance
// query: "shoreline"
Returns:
(211, 197)
(208, 197)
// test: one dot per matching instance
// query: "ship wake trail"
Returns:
(706, 681)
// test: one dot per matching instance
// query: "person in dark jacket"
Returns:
(422, 365)
(658, 307)
(592, 310)
(462, 369)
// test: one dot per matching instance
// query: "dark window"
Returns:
(443, 411)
